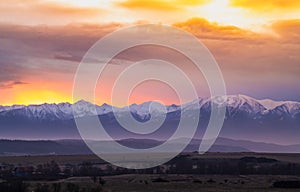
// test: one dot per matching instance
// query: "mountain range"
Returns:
(246, 118)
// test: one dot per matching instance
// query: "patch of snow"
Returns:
(270, 104)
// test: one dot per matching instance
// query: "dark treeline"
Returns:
(183, 164)
(15, 176)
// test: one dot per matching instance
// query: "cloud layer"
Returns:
(40, 58)
(48, 12)
(267, 5)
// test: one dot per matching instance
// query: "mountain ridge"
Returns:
(246, 118)
(233, 101)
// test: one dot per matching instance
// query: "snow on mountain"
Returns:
(293, 108)
(83, 108)
(104, 109)
(5, 108)
(148, 107)
(144, 111)
(270, 104)
(287, 109)
(244, 103)
(172, 108)
(40, 112)
(290, 108)
(194, 105)
(236, 104)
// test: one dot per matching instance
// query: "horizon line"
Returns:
(104, 103)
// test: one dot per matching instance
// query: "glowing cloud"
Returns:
(162, 5)
(267, 5)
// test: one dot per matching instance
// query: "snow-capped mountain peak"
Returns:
(244, 103)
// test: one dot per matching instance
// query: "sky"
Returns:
(256, 44)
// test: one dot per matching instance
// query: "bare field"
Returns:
(191, 183)
(181, 183)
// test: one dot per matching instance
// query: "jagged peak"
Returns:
(81, 102)
(105, 105)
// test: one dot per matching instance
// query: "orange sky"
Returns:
(256, 44)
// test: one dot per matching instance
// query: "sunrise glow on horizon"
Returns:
(43, 41)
